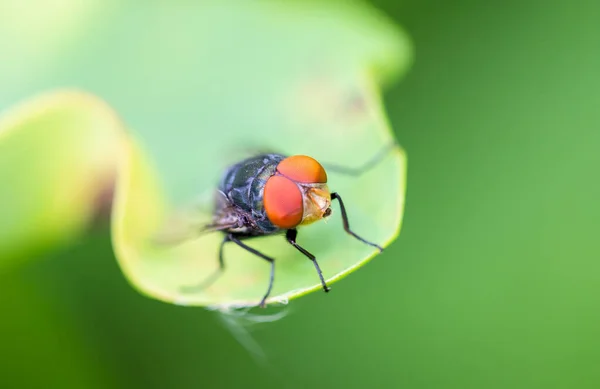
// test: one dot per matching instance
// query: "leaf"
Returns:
(298, 79)
(200, 83)
(57, 158)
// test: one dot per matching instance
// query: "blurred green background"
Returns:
(493, 282)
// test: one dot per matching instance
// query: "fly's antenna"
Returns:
(357, 171)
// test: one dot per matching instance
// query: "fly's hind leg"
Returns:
(233, 238)
(215, 275)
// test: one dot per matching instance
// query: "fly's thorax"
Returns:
(242, 186)
(316, 201)
(244, 181)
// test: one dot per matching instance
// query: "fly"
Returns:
(272, 194)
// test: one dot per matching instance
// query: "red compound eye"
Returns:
(301, 168)
(283, 202)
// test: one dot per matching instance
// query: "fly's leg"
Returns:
(357, 171)
(213, 277)
(291, 235)
(237, 241)
(335, 196)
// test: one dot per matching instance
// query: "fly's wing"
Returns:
(191, 222)
(250, 149)
(244, 151)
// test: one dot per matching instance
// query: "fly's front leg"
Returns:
(291, 235)
(336, 196)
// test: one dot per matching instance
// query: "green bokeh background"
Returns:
(493, 282)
